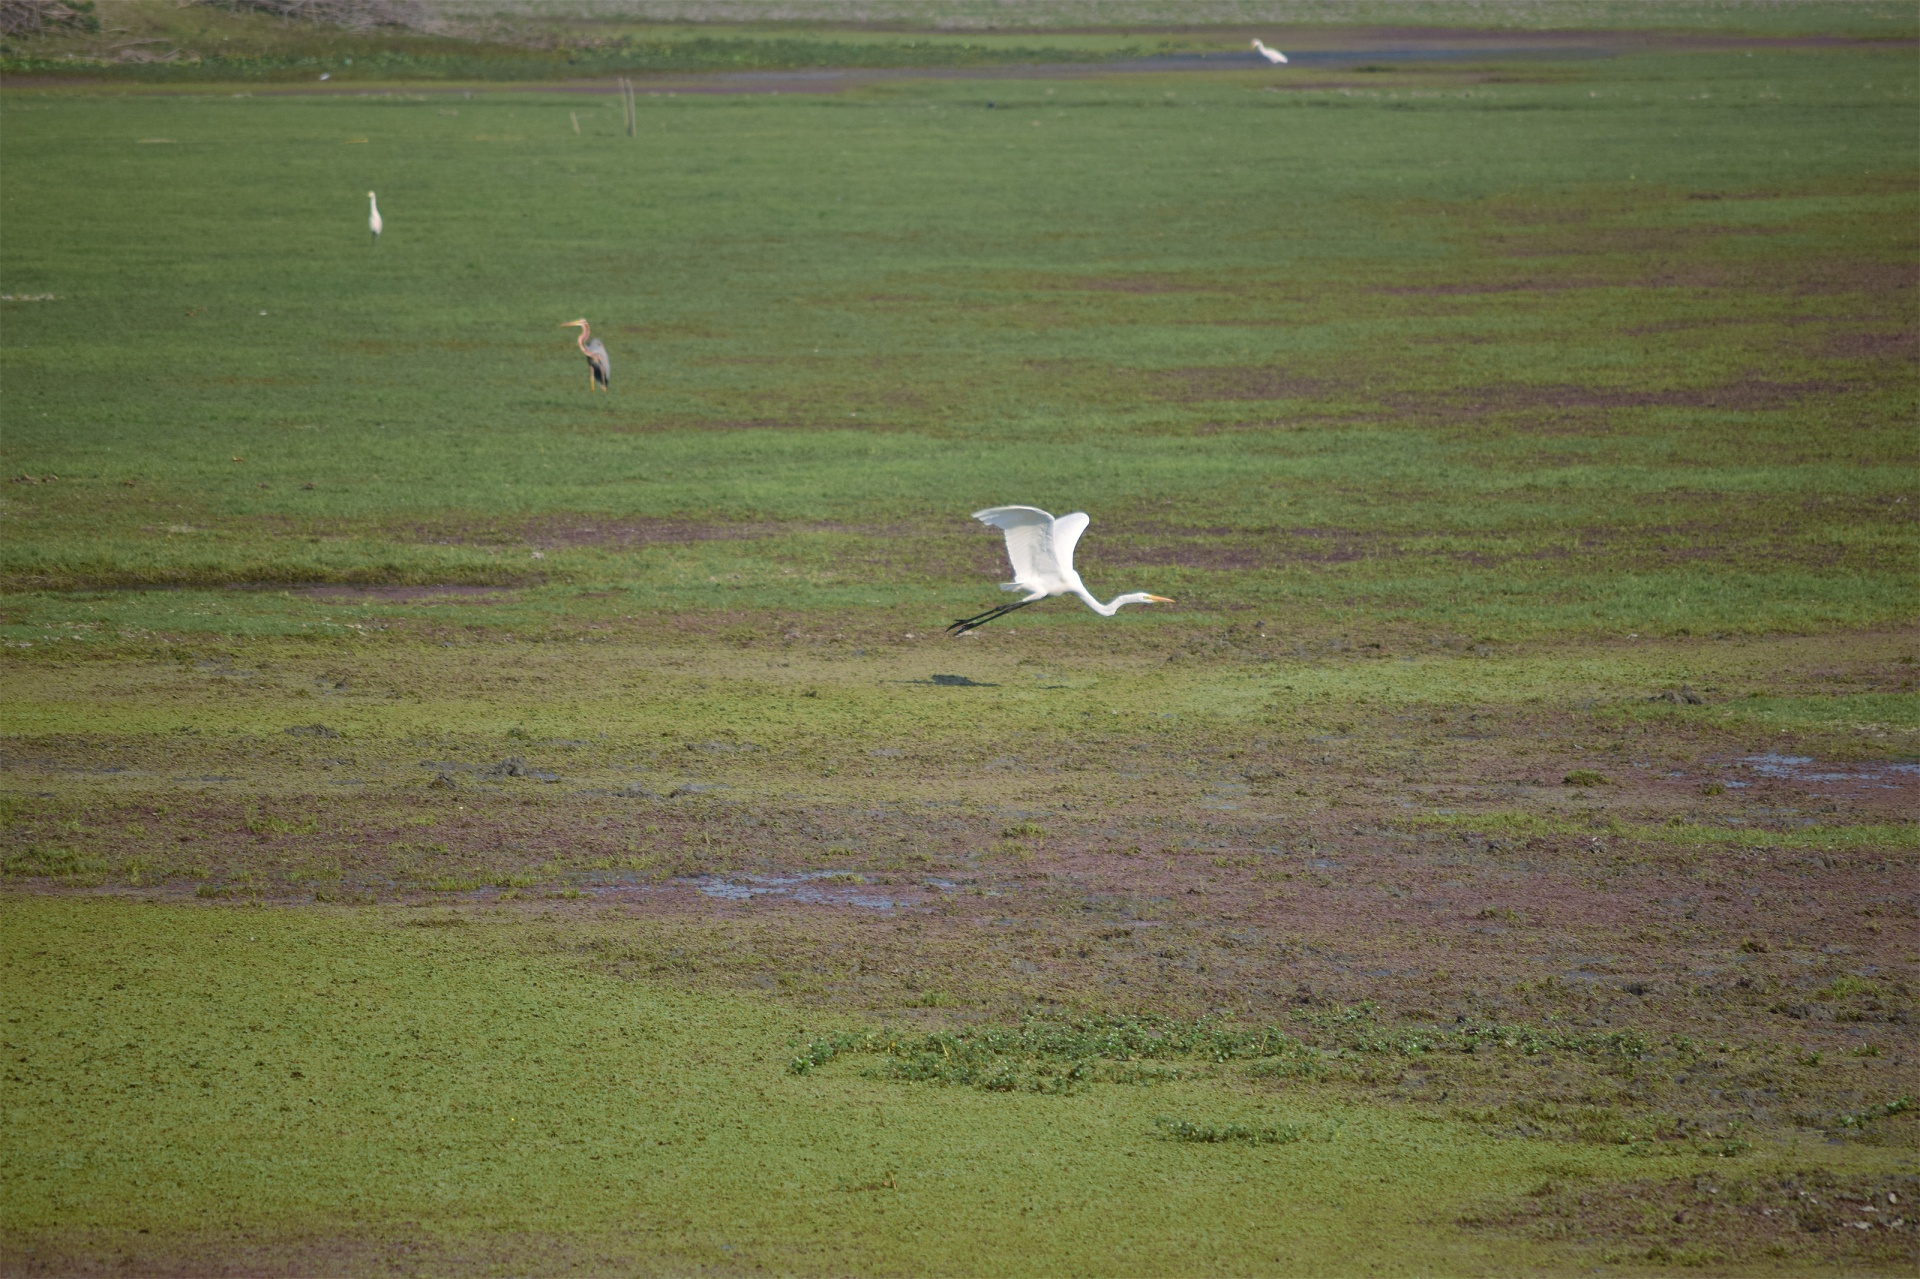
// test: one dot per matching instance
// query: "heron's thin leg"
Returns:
(965, 624)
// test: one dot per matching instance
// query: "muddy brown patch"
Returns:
(1236, 382)
(404, 594)
(1750, 395)
(1719, 1220)
(1476, 290)
(1896, 344)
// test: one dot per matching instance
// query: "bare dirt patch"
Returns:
(1888, 282)
(1479, 289)
(405, 594)
(1898, 278)
(562, 531)
(1230, 382)
(1750, 395)
(1896, 344)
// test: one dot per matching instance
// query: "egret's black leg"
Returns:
(979, 619)
(965, 624)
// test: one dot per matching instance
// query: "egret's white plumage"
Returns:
(1040, 549)
(1273, 56)
(373, 217)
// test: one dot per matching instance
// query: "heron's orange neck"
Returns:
(586, 331)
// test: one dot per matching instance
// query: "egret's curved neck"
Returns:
(1105, 610)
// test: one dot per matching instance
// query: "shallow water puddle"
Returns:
(1803, 768)
(817, 887)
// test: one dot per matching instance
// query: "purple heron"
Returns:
(599, 371)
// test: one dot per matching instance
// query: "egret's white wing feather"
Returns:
(1030, 547)
(1066, 535)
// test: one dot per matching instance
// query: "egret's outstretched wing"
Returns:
(1066, 535)
(1030, 547)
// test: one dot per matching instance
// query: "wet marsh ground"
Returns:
(455, 823)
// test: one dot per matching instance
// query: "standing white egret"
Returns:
(1273, 56)
(599, 368)
(1041, 549)
(373, 217)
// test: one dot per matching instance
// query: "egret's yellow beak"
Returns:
(1159, 599)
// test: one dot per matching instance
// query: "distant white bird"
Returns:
(373, 218)
(1273, 56)
(599, 368)
(1041, 549)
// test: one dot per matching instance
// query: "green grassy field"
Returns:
(441, 803)
(1531, 385)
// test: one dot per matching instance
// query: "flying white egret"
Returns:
(599, 368)
(1041, 549)
(373, 217)
(1273, 56)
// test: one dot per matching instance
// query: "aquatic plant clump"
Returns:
(1043, 1055)
(1219, 1134)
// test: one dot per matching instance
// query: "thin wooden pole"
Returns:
(575, 117)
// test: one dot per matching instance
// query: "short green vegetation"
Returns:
(1183, 1130)
(1628, 363)
(358, 1080)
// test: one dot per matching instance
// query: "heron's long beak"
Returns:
(1158, 599)
(572, 324)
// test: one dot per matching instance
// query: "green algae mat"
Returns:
(452, 822)
(352, 1081)
(317, 1092)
